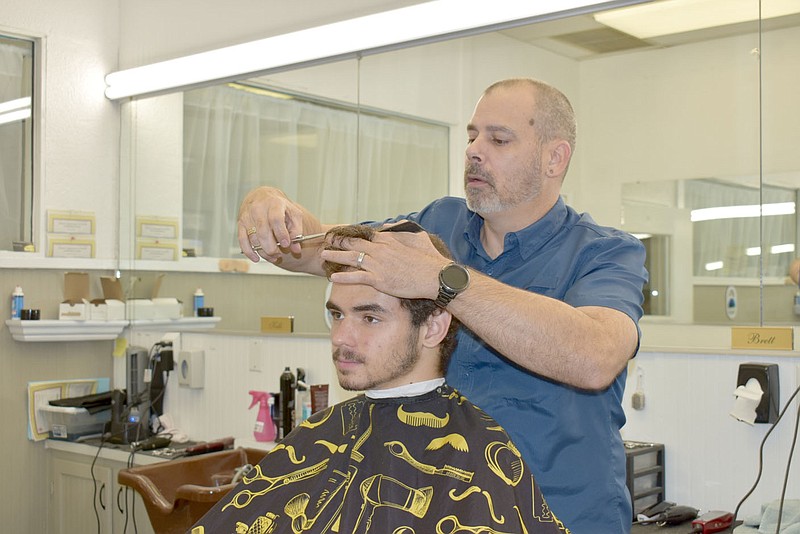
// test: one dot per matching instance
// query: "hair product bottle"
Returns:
(303, 398)
(199, 300)
(17, 302)
(287, 401)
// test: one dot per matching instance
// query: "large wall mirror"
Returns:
(16, 142)
(685, 139)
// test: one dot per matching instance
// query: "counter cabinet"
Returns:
(79, 502)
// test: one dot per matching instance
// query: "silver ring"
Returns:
(360, 260)
(256, 247)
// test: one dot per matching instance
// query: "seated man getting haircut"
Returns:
(410, 455)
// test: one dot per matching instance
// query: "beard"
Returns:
(521, 187)
(380, 370)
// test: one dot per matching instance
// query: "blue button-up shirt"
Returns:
(570, 437)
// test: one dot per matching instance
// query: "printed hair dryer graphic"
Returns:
(380, 490)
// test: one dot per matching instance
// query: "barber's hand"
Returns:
(402, 264)
(267, 222)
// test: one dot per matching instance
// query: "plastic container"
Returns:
(17, 302)
(70, 423)
(199, 300)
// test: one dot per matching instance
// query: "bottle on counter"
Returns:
(302, 398)
(287, 401)
(17, 302)
(199, 300)
(264, 429)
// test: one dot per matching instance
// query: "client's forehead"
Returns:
(359, 296)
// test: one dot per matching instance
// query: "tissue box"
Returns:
(76, 297)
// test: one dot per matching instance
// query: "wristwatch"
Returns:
(453, 279)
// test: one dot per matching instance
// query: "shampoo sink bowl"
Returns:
(177, 493)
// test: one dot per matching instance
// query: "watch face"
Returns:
(455, 277)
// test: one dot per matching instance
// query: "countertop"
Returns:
(122, 453)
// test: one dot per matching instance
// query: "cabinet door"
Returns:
(129, 510)
(81, 498)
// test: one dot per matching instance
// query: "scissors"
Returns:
(405, 226)
(300, 238)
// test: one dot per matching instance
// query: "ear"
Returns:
(559, 153)
(435, 328)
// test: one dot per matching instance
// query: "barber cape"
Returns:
(432, 463)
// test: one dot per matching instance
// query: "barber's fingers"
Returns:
(267, 220)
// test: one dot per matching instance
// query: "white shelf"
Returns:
(176, 325)
(57, 330)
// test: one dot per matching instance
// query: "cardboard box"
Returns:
(167, 308)
(75, 306)
(139, 309)
(111, 307)
(140, 302)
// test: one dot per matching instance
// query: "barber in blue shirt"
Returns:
(550, 300)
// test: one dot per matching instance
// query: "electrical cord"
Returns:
(761, 458)
(94, 482)
(788, 466)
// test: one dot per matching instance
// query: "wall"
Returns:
(22, 503)
(712, 459)
(80, 144)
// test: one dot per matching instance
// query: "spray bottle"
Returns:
(264, 429)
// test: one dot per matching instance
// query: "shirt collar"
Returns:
(409, 390)
(530, 239)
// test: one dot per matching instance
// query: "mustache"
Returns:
(347, 356)
(473, 169)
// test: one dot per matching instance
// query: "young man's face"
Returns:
(374, 344)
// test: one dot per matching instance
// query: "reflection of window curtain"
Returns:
(236, 140)
(12, 137)
(727, 240)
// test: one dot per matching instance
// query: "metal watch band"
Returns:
(444, 297)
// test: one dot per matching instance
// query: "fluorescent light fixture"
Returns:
(775, 249)
(782, 249)
(739, 212)
(642, 237)
(714, 266)
(338, 40)
(678, 16)
(15, 110)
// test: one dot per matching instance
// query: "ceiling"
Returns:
(581, 37)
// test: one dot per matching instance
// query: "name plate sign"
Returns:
(762, 338)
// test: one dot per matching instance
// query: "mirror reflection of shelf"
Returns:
(57, 330)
